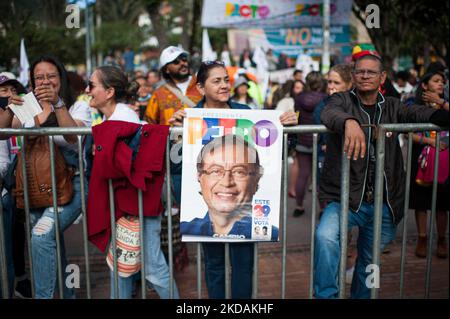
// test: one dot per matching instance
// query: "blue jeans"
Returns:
(43, 244)
(176, 187)
(327, 249)
(241, 259)
(8, 222)
(156, 268)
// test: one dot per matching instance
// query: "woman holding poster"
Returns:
(213, 83)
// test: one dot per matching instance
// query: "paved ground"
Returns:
(297, 269)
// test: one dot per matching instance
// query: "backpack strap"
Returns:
(179, 95)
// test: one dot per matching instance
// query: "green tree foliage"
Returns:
(58, 41)
(126, 11)
(42, 25)
(408, 27)
(117, 35)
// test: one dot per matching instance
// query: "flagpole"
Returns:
(326, 37)
(88, 40)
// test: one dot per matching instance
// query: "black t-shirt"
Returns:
(371, 110)
(371, 147)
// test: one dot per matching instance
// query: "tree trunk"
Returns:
(186, 25)
(196, 24)
(158, 25)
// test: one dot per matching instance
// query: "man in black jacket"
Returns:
(344, 114)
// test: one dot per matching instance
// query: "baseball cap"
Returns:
(241, 80)
(169, 54)
(4, 79)
(363, 49)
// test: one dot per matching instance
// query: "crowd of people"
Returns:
(347, 100)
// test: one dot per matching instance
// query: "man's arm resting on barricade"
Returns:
(334, 114)
(355, 140)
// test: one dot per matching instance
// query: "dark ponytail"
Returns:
(112, 77)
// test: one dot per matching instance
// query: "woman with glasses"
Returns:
(214, 84)
(51, 87)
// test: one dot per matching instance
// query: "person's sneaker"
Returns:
(23, 289)
(421, 248)
(298, 212)
(442, 248)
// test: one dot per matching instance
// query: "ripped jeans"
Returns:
(43, 244)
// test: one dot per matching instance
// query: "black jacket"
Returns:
(346, 105)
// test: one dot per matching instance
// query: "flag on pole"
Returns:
(208, 54)
(262, 72)
(24, 65)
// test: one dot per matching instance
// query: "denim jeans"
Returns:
(327, 248)
(43, 244)
(8, 222)
(156, 268)
(241, 259)
(176, 187)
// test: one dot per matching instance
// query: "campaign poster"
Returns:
(272, 14)
(231, 182)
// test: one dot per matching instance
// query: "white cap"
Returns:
(169, 54)
(8, 75)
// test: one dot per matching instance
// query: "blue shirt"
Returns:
(203, 227)
(233, 105)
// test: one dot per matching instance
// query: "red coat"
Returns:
(113, 160)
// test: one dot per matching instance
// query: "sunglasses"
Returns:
(182, 57)
(217, 62)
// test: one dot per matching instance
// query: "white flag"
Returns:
(208, 54)
(259, 57)
(24, 65)
(262, 70)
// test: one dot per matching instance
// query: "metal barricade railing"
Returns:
(51, 132)
(315, 130)
(379, 181)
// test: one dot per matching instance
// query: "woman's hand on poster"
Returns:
(289, 118)
(177, 118)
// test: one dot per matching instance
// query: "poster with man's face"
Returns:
(231, 180)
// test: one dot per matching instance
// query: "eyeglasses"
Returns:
(50, 77)
(182, 57)
(366, 73)
(218, 172)
(217, 62)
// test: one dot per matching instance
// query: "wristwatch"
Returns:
(58, 104)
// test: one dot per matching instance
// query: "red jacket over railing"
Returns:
(113, 160)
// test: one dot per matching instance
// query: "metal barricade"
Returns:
(345, 182)
(379, 182)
